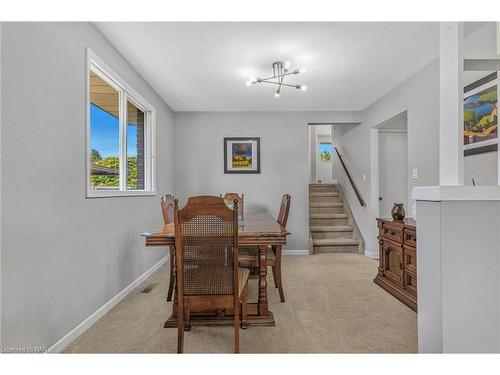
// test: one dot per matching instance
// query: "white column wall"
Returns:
(451, 168)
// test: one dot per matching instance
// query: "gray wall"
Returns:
(284, 160)
(458, 272)
(64, 256)
(419, 96)
(482, 168)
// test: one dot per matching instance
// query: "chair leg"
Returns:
(187, 324)
(278, 273)
(275, 276)
(244, 307)
(236, 325)
(180, 329)
(172, 275)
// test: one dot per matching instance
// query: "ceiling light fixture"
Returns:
(280, 71)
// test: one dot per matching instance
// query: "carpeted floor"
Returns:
(332, 306)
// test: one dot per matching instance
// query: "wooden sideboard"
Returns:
(397, 270)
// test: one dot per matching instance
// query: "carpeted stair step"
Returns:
(335, 245)
(325, 204)
(324, 194)
(331, 228)
(328, 216)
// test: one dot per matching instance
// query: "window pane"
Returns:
(135, 147)
(104, 135)
(325, 151)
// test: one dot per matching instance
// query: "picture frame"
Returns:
(480, 122)
(241, 155)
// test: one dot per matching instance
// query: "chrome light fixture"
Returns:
(280, 71)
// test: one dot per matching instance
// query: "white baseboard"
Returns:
(295, 252)
(87, 323)
(371, 254)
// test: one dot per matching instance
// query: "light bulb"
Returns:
(248, 83)
(287, 64)
(302, 70)
(303, 87)
(277, 94)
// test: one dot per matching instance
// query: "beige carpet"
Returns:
(332, 306)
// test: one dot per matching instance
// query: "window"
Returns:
(120, 132)
(325, 152)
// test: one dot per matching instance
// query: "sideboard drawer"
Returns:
(410, 282)
(410, 258)
(392, 232)
(410, 237)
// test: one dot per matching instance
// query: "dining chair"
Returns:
(167, 210)
(230, 197)
(249, 256)
(208, 273)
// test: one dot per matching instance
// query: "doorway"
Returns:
(393, 164)
(320, 153)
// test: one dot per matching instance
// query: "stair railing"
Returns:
(353, 184)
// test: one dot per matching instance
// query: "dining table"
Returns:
(259, 230)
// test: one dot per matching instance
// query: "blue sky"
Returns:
(325, 147)
(104, 133)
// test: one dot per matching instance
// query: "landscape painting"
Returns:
(481, 116)
(241, 155)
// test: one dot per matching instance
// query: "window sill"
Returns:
(114, 194)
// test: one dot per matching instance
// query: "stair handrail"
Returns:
(353, 184)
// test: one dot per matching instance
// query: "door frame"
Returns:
(374, 210)
(310, 130)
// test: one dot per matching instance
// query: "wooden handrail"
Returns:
(354, 187)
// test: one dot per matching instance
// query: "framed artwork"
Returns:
(241, 155)
(481, 115)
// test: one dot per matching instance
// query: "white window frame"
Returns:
(126, 93)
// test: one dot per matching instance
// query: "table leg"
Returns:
(176, 295)
(263, 305)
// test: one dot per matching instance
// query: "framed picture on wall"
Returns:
(481, 115)
(241, 155)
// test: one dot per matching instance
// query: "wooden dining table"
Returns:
(258, 230)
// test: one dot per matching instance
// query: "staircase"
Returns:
(331, 224)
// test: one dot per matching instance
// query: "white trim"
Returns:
(371, 254)
(295, 252)
(498, 38)
(87, 323)
(456, 193)
(126, 92)
(118, 193)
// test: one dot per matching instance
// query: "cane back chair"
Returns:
(167, 210)
(249, 256)
(208, 273)
(231, 197)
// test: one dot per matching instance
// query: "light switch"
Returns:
(414, 173)
(364, 177)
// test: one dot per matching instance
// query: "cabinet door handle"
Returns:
(401, 266)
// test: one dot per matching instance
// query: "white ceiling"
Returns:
(198, 66)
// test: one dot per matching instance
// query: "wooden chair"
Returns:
(231, 197)
(249, 257)
(167, 210)
(208, 274)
